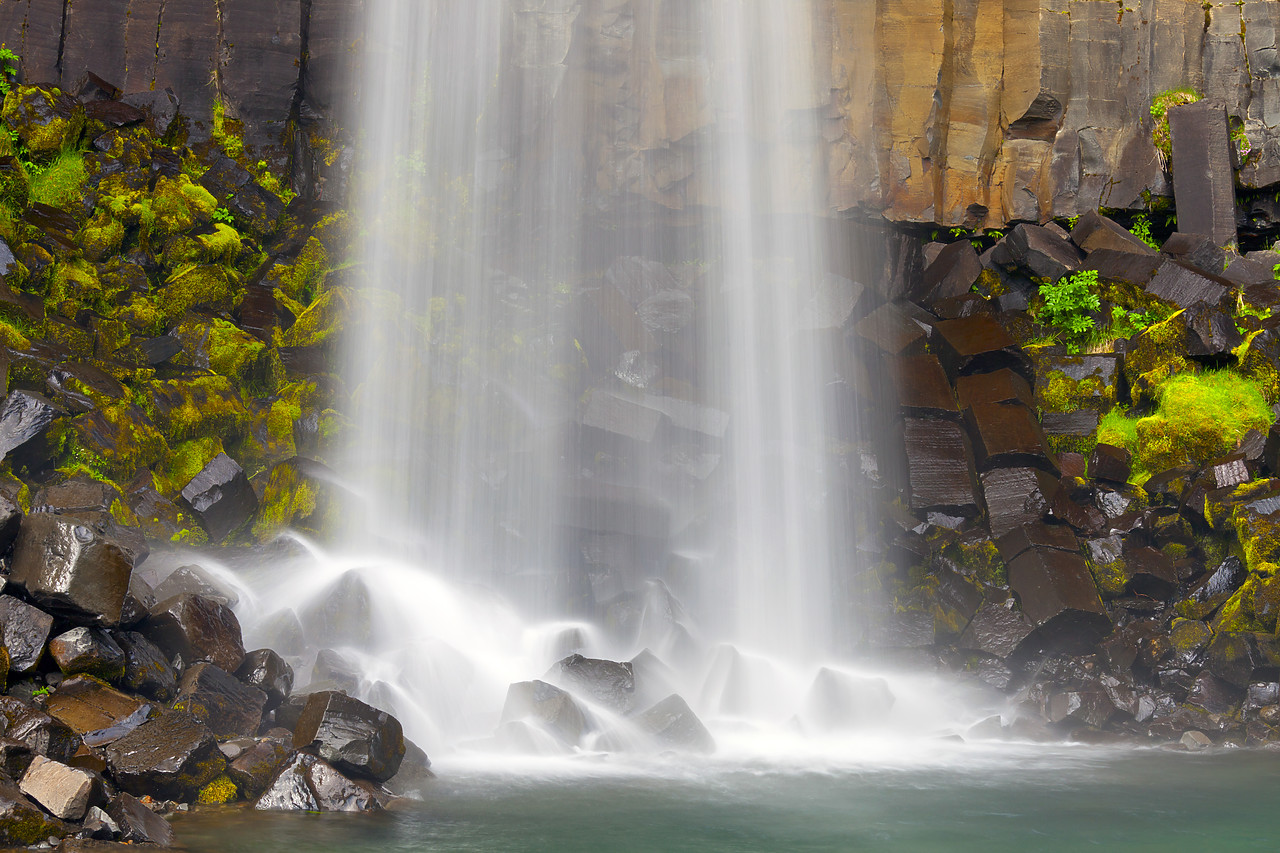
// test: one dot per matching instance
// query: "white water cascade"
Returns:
(589, 422)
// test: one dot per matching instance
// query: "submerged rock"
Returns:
(308, 783)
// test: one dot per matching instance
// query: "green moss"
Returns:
(61, 183)
(205, 407)
(1237, 614)
(288, 497)
(322, 322)
(219, 791)
(228, 133)
(117, 440)
(198, 287)
(177, 205)
(184, 461)
(1111, 579)
(1160, 106)
(302, 279)
(45, 123)
(13, 339)
(1061, 393)
(75, 281)
(251, 363)
(15, 187)
(981, 560)
(1156, 355)
(1189, 635)
(102, 236)
(1255, 362)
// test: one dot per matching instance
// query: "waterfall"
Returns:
(600, 379)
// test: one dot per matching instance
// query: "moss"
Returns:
(1255, 361)
(184, 461)
(1111, 579)
(322, 322)
(1189, 635)
(15, 187)
(102, 236)
(288, 497)
(46, 121)
(1160, 106)
(177, 205)
(13, 339)
(302, 279)
(207, 406)
(61, 183)
(228, 133)
(198, 287)
(218, 792)
(1058, 392)
(1199, 418)
(117, 440)
(75, 281)
(1156, 355)
(981, 560)
(1174, 550)
(1237, 614)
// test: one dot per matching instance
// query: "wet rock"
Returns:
(1007, 436)
(172, 756)
(951, 273)
(197, 581)
(939, 467)
(1040, 535)
(90, 708)
(72, 568)
(1203, 177)
(139, 824)
(308, 783)
(1123, 266)
(1150, 573)
(1080, 707)
(226, 705)
(1108, 462)
(1059, 597)
(607, 682)
(923, 389)
(1261, 694)
(1184, 286)
(24, 417)
(840, 701)
(1195, 741)
(997, 630)
(351, 735)
(98, 825)
(1228, 472)
(26, 630)
(551, 708)
(254, 769)
(978, 344)
(333, 671)
(147, 670)
(1069, 431)
(675, 726)
(65, 792)
(1074, 382)
(891, 328)
(45, 735)
(268, 672)
(342, 613)
(1212, 694)
(1235, 657)
(1002, 386)
(1016, 496)
(1211, 332)
(666, 312)
(88, 650)
(10, 523)
(1195, 250)
(15, 757)
(22, 823)
(197, 628)
(255, 209)
(221, 497)
(1037, 250)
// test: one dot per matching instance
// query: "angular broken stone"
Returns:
(352, 736)
(996, 630)
(267, 671)
(197, 628)
(1007, 436)
(25, 630)
(1016, 496)
(65, 792)
(254, 769)
(97, 713)
(841, 701)
(1108, 462)
(1184, 286)
(940, 468)
(607, 682)
(308, 783)
(1151, 572)
(1001, 386)
(139, 824)
(24, 416)
(90, 651)
(1059, 597)
(221, 497)
(552, 708)
(221, 701)
(951, 273)
(1039, 535)
(1037, 250)
(923, 389)
(146, 669)
(72, 568)
(172, 756)
(675, 726)
(22, 823)
(1123, 266)
(42, 733)
(1094, 231)
(197, 581)
(1203, 174)
(978, 344)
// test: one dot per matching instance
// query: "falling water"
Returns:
(595, 383)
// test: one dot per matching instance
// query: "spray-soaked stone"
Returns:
(65, 792)
(196, 581)
(90, 651)
(45, 735)
(218, 699)
(26, 629)
(72, 568)
(221, 497)
(254, 769)
(173, 756)
(838, 701)
(22, 823)
(308, 783)
(549, 706)
(610, 683)
(268, 672)
(354, 737)
(197, 628)
(673, 724)
(139, 824)
(146, 670)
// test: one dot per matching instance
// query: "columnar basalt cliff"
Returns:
(960, 113)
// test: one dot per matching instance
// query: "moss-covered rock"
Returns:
(298, 494)
(322, 323)
(209, 286)
(218, 792)
(1155, 355)
(302, 278)
(15, 186)
(47, 121)
(205, 407)
(117, 440)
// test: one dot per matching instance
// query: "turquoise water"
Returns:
(1020, 800)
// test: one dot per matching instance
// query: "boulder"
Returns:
(996, 629)
(1007, 436)
(220, 497)
(1037, 250)
(1123, 266)
(1197, 250)
(65, 792)
(940, 469)
(1185, 286)
(139, 824)
(923, 388)
(26, 630)
(197, 581)
(15, 757)
(197, 628)
(22, 823)
(333, 671)
(978, 344)
(351, 735)
(1069, 383)
(1094, 231)
(42, 733)
(97, 713)
(550, 707)
(146, 669)
(25, 416)
(255, 768)
(172, 756)
(1150, 573)
(606, 682)
(1059, 597)
(1211, 334)
(1212, 694)
(1001, 386)
(308, 783)
(10, 523)
(226, 705)
(674, 725)
(951, 273)
(1108, 462)
(72, 568)
(841, 701)
(892, 328)
(268, 672)
(1203, 176)
(88, 650)
(1070, 432)
(1016, 496)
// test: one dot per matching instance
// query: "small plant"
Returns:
(40, 691)
(223, 215)
(1141, 228)
(1067, 303)
(1160, 106)
(1126, 323)
(8, 69)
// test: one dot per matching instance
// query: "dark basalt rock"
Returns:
(1002, 386)
(197, 628)
(1058, 596)
(1237, 658)
(1028, 536)
(72, 568)
(1228, 472)
(607, 682)
(1212, 694)
(218, 699)
(308, 783)
(1211, 332)
(10, 523)
(139, 824)
(1203, 177)
(1108, 462)
(172, 756)
(147, 670)
(255, 768)
(26, 630)
(675, 726)
(891, 328)
(1103, 372)
(1185, 286)
(550, 707)
(1079, 707)
(97, 713)
(24, 417)
(159, 350)
(838, 701)
(1151, 573)
(1094, 231)
(221, 497)
(88, 650)
(997, 630)
(1007, 436)
(351, 735)
(45, 735)
(1069, 426)
(923, 389)
(1037, 250)
(333, 671)
(940, 467)
(1016, 496)
(1123, 266)
(22, 823)
(268, 672)
(1195, 250)
(255, 209)
(196, 581)
(15, 756)
(978, 344)
(951, 273)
